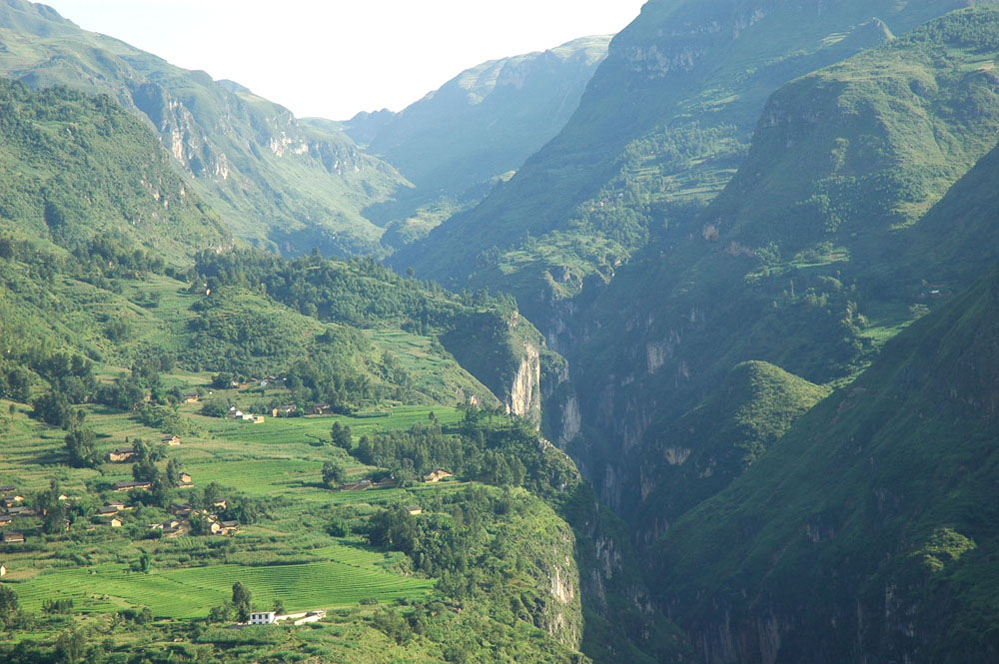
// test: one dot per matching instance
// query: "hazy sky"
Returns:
(332, 58)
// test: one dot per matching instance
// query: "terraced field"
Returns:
(190, 593)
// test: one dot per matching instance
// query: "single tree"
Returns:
(241, 600)
(333, 475)
(341, 435)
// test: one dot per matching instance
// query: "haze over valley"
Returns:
(672, 345)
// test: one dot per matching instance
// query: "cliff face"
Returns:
(524, 396)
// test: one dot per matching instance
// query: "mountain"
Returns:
(868, 533)
(662, 127)
(707, 448)
(127, 312)
(797, 262)
(956, 241)
(482, 124)
(78, 170)
(276, 182)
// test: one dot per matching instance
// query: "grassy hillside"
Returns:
(78, 170)
(661, 129)
(707, 448)
(868, 531)
(799, 263)
(240, 149)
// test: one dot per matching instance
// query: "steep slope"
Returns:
(483, 123)
(797, 263)
(276, 182)
(868, 532)
(662, 127)
(77, 170)
(715, 443)
(959, 237)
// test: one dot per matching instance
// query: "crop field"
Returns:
(190, 592)
(287, 556)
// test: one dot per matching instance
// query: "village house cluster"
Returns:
(13, 508)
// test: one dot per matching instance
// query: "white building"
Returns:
(262, 618)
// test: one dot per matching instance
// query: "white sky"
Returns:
(333, 58)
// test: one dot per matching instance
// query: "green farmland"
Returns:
(188, 593)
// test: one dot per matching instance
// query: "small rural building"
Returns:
(321, 409)
(172, 441)
(284, 411)
(121, 454)
(190, 397)
(128, 486)
(12, 537)
(22, 511)
(107, 510)
(220, 503)
(172, 532)
(265, 618)
(3, 570)
(181, 510)
(229, 527)
(414, 510)
(6, 520)
(11, 499)
(437, 476)
(112, 521)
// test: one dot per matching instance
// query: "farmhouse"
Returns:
(229, 527)
(172, 441)
(107, 510)
(12, 537)
(357, 486)
(185, 481)
(112, 521)
(21, 511)
(266, 618)
(436, 476)
(121, 454)
(6, 520)
(321, 409)
(12, 499)
(190, 397)
(284, 411)
(181, 510)
(414, 510)
(128, 486)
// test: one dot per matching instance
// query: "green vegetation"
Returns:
(239, 148)
(81, 172)
(707, 448)
(886, 485)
